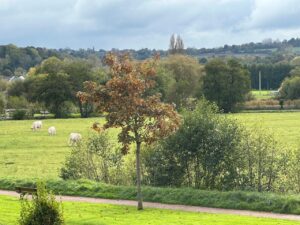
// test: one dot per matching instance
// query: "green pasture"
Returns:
(284, 125)
(263, 94)
(24, 153)
(28, 154)
(76, 213)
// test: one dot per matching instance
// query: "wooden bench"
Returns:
(25, 190)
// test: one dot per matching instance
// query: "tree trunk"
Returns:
(80, 109)
(138, 176)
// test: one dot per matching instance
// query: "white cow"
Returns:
(36, 125)
(74, 138)
(52, 131)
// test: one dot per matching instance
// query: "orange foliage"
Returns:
(141, 117)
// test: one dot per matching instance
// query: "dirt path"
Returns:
(170, 206)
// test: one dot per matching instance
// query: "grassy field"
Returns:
(284, 125)
(102, 214)
(264, 94)
(27, 154)
(24, 153)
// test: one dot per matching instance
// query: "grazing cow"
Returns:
(52, 131)
(36, 125)
(74, 138)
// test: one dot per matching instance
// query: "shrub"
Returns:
(42, 210)
(98, 159)
(19, 114)
(15, 102)
(2, 103)
(203, 153)
(290, 88)
(212, 151)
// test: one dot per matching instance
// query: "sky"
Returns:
(136, 24)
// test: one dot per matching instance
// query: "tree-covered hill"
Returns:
(272, 58)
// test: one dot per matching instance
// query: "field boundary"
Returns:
(156, 205)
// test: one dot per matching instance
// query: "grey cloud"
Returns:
(136, 24)
(274, 14)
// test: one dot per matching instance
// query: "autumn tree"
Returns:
(125, 98)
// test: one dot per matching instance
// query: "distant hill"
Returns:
(16, 60)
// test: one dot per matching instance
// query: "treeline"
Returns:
(272, 75)
(52, 85)
(265, 47)
(16, 60)
(181, 80)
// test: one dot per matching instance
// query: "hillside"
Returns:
(15, 60)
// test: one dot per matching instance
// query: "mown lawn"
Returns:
(27, 154)
(103, 214)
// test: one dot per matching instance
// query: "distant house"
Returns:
(16, 78)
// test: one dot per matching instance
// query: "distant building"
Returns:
(16, 78)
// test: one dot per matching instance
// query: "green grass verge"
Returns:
(268, 202)
(103, 214)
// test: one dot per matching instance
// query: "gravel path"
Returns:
(170, 206)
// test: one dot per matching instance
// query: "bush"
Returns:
(15, 102)
(19, 114)
(98, 159)
(290, 88)
(42, 210)
(203, 153)
(212, 151)
(2, 103)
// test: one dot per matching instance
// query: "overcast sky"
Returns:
(139, 24)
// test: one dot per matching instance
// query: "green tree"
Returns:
(15, 102)
(3, 85)
(226, 83)
(52, 65)
(186, 79)
(16, 88)
(290, 88)
(53, 90)
(79, 71)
